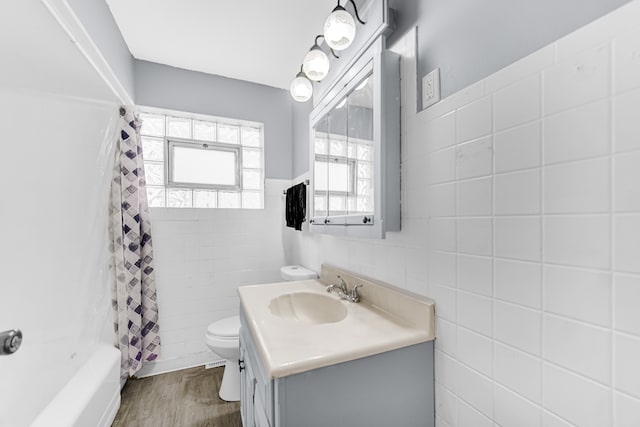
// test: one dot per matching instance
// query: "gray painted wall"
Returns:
(103, 30)
(173, 88)
(470, 39)
(301, 113)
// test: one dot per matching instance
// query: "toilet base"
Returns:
(230, 387)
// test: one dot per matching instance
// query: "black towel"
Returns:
(296, 206)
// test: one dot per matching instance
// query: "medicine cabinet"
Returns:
(355, 149)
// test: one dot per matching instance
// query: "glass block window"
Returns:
(202, 162)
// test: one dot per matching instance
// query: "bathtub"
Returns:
(91, 397)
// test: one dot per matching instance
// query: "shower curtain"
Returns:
(133, 285)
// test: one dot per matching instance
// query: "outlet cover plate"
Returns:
(431, 88)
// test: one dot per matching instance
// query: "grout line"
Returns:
(612, 186)
(573, 320)
(493, 254)
(570, 423)
(542, 228)
(580, 375)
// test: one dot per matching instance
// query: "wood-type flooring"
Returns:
(187, 398)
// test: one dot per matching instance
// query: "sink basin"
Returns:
(308, 307)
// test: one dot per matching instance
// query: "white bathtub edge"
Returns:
(91, 397)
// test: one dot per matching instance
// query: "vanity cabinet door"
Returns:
(256, 389)
(247, 387)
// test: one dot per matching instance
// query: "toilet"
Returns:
(292, 273)
(223, 338)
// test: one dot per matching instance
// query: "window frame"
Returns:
(351, 168)
(170, 142)
(253, 198)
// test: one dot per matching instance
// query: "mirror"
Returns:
(343, 155)
(354, 153)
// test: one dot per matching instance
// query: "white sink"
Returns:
(308, 307)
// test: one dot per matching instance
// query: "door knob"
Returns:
(10, 341)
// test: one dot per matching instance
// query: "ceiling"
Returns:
(261, 41)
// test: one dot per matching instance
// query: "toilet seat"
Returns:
(227, 328)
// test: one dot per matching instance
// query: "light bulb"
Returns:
(315, 64)
(301, 88)
(339, 29)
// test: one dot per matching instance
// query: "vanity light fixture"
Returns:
(316, 63)
(339, 32)
(340, 27)
(300, 87)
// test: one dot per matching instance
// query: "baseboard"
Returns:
(189, 361)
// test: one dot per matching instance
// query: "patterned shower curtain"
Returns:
(133, 284)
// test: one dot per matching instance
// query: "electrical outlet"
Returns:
(431, 88)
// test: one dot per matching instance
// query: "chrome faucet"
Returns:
(342, 288)
(351, 296)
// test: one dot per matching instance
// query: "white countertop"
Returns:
(290, 347)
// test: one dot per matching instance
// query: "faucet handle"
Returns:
(343, 284)
(353, 295)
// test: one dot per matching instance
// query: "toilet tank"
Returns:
(292, 273)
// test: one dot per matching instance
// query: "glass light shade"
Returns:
(301, 89)
(339, 29)
(315, 64)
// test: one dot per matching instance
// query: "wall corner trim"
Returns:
(68, 20)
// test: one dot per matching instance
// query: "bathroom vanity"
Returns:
(308, 358)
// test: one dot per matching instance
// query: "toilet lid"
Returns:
(227, 327)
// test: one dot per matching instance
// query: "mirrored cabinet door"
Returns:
(340, 171)
(321, 168)
(360, 146)
(356, 150)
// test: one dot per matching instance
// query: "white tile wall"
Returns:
(518, 193)
(578, 347)
(476, 389)
(577, 134)
(518, 327)
(518, 371)
(530, 235)
(518, 282)
(469, 417)
(475, 351)
(626, 410)
(578, 187)
(627, 175)
(625, 123)
(576, 399)
(627, 368)
(202, 256)
(518, 103)
(517, 148)
(579, 294)
(474, 312)
(625, 306)
(475, 274)
(512, 410)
